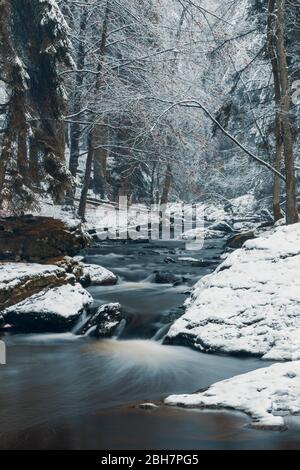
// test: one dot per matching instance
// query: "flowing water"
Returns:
(61, 391)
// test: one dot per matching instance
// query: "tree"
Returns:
(33, 37)
(285, 105)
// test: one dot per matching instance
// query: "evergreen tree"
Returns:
(33, 36)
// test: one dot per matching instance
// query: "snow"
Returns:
(266, 395)
(251, 303)
(244, 206)
(99, 275)
(202, 234)
(14, 274)
(48, 209)
(65, 301)
(54, 14)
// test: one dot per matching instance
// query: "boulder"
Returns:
(86, 274)
(37, 239)
(52, 310)
(21, 280)
(199, 263)
(167, 278)
(104, 323)
(201, 234)
(221, 226)
(237, 241)
(169, 260)
(148, 406)
(98, 276)
(251, 304)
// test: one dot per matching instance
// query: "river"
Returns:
(60, 391)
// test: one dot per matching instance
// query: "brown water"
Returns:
(65, 392)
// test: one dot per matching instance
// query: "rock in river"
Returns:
(167, 278)
(104, 323)
(86, 274)
(21, 280)
(99, 276)
(52, 310)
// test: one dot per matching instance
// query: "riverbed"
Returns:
(60, 391)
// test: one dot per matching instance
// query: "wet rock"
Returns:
(104, 323)
(148, 406)
(237, 241)
(52, 310)
(167, 278)
(37, 239)
(173, 315)
(169, 260)
(199, 263)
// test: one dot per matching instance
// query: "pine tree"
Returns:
(33, 36)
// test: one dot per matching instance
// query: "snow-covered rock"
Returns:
(98, 276)
(267, 395)
(21, 280)
(251, 303)
(86, 274)
(221, 226)
(51, 310)
(104, 323)
(202, 234)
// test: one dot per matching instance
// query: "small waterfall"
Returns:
(120, 328)
(90, 331)
(81, 322)
(161, 333)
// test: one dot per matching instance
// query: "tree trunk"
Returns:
(34, 172)
(167, 185)
(100, 159)
(87, 178)
(277, 165)
(100, 132)
(277, 123)
(285, 104)
(92, 142)
(75, 128)
(123, 191)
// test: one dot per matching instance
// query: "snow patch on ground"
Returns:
(265, 394)
(251, 303)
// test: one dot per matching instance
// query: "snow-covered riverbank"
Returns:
(251, 303)
(267, 395)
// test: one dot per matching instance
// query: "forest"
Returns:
(111, 110)
(156, 100)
